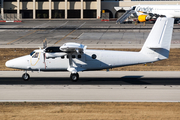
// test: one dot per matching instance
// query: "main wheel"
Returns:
(25, 76)
(74, 77)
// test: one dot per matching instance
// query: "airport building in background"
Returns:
(64, 9)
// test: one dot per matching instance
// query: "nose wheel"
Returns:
(74, 77)
(25, 76)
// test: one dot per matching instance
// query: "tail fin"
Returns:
(159, 40)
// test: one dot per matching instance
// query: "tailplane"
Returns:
(158, 42)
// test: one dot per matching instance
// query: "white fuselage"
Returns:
(166, 10)
(104, 59)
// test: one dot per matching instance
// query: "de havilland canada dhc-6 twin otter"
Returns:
(74, 57)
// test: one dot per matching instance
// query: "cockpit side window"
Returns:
(32, 53)
(35, 55)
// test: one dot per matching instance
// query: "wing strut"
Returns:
(71, 48)
(71, 68)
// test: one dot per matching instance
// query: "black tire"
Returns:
(74, 77)
(25, 76)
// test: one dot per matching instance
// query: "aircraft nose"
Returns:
(9, 63)
(19, 63)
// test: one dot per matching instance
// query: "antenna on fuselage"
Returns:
(44, 43)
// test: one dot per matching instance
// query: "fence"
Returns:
(11, 17)
(105, 16)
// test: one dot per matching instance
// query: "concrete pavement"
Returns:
(97, 86)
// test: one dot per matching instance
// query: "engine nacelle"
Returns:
(143, 18)
(72, 47)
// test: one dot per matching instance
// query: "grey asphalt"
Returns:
(98, 86)
(93, 33)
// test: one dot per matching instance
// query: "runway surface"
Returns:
(98, 86)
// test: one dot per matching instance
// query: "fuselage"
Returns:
(88, 60)
(166, 10)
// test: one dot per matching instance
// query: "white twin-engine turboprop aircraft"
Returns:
(74, 57)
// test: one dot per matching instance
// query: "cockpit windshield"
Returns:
(32, 53)
(35, 55)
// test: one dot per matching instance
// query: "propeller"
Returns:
(44, 54)
(44, 43)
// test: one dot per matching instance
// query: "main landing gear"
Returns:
(74, 77)
(25, 76)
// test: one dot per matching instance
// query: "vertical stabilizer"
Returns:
(159, 40)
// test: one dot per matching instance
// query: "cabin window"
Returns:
(79, 56)
(35, 55)
(62, 57)
(94, 56)
(73, 56)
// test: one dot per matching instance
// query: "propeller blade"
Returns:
(44, 44)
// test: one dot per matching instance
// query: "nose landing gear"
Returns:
(25, 76)
(74, 77)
